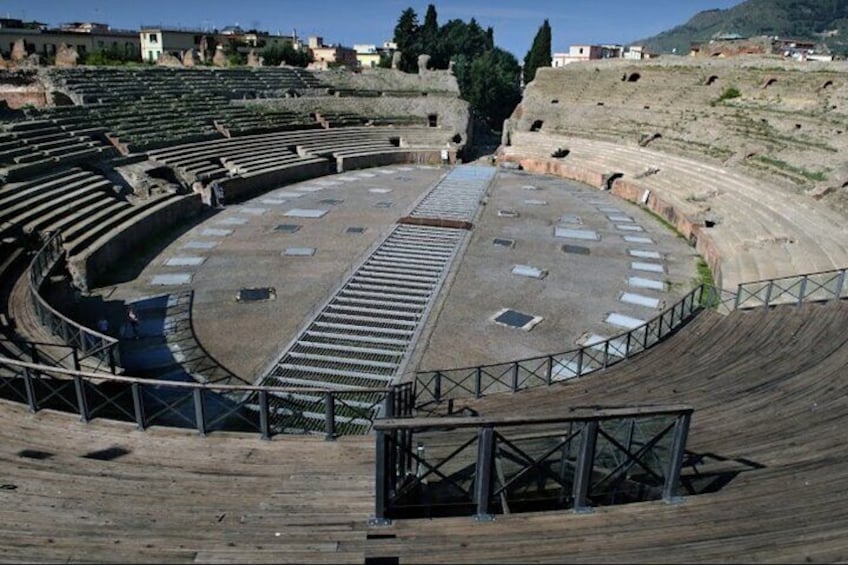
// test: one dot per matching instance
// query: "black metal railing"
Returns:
(484, 466)
(86, 343)
(814, 287)
(447, 384)
(201, 406)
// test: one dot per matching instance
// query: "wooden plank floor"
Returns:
(768, 390)
(176, 497)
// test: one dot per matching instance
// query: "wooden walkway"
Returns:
(770, 419)
(769, 425)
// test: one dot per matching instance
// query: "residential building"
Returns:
(579, 53)
(85, 37)
(326, 56)
(156, 40)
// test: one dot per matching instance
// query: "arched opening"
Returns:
(827, 85)
(634, 77)
(770, 81)
(537, 125)
(61, 99)
(555, 101)
(844, 184)
(711, 80)
(610, 178)
(560, 153)
(456, 139)
(433, 120)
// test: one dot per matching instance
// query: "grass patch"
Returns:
(815, 176)
(705, 274)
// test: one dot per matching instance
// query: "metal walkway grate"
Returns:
(363, 335)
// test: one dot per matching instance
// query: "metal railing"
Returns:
(204, 407)
(448, 384)
(798, 289)
(482, 466)
(86, 343)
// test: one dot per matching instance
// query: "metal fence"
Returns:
(815, 287)
(483, 466)
(86, 343)
(204, 407)
(448, 384)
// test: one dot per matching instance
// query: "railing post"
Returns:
(30, 391)
(579, 372)
(768, 295)
(437, 388)
(738, 301)
(264, 420)
(112, 363)
(840, 283)
(389, 404)
(381, 480)
(583, 470)
(199, 411)
(802, 292)
(678, 449)
(478, 382)
(75, 356)
(329, 416)
(33, 353)
(138, 406)
(82, 404)
(627, 344)
(515, 369)
(483, 474)
(549, 371)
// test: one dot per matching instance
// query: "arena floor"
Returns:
(259, 243)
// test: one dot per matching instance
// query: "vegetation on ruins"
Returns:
(729, 94)
(488, 77)
(539, 54)
(110, 56)
(822, 20)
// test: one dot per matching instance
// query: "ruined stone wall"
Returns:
(440, 82)
(453, 113)
(789, 124)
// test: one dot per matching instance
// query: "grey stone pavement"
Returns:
(297, 241)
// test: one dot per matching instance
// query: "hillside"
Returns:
(821, 20)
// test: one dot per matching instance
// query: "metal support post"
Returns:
(802, 292)
(583, 470)
(389, 404)
(264, 420)
(549, 370)
(138, 406)
(768, 294)
(738, 301)
(30, 391)
(199, 412)
(329, 416)
(381, 479)
(579, 371)
(483, 473)
(840, 284)
(678, 449)
(437, 393)
(478, 382)
(627, 345)
(515, 369)
(82, 404)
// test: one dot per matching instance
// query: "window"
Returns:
(153, 38)
(581, 50)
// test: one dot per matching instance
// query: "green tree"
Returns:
(429, 36)
(494, 86)
(539, 54)
(275, 54)
(408, 39)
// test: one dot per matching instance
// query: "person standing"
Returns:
(132, 318)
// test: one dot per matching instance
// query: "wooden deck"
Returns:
(769, 423)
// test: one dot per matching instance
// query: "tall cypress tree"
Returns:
(539, 54)
(430, 31)
(408, 39)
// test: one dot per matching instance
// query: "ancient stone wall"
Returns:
(441, 82)
(777, 119)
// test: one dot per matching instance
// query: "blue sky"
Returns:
(372, 21)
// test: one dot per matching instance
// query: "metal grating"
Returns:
(457, 196)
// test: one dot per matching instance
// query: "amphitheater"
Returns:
(622, 337)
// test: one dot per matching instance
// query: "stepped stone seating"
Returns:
(30, 147)
(758, 230)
